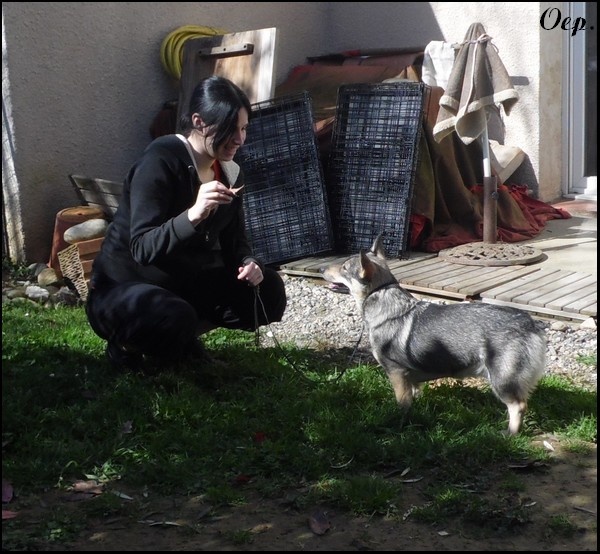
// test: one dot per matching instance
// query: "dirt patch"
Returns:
(555, 509)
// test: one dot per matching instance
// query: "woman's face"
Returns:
(228, 149)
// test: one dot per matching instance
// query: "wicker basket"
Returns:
(76, 264)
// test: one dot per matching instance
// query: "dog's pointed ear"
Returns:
(366, 266)
(377, 247)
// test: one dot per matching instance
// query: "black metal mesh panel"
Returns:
(284, 198)
(372, 164)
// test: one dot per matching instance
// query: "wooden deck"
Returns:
(557, 293)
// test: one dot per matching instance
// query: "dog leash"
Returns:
(257, 301)
(362, 331)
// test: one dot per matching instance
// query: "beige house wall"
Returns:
(82, 82)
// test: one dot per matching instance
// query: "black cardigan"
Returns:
(152, 240)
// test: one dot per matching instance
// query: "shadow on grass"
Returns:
(271, 414)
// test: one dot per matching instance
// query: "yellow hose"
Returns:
(171, 50)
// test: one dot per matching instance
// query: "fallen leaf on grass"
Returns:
(166, 523)
(319, 523)
(582, 509)
(84, 490)
(9, 514)
(259, 437)
(415, 480)
(528, 465)
(173, 523)
(342, 465)
(395, 472)
(261, 528)
(122, 495)
(91, 487)
(241, 479)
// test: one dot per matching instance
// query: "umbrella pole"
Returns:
(490, 194)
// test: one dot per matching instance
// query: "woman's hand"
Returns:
(252, 273)
(209, 197)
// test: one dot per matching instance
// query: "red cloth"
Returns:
(519, 217)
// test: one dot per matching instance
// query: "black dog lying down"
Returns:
(417, 341)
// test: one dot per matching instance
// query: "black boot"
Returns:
(198, 354)
(121, 359)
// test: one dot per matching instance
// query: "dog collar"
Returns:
(380, 287)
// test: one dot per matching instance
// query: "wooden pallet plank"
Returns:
(508, 275)
(318, 263)
(586, 305)
(99, 193)
(439, 279)
(428, 271)
(434, 292)
(583, 288)
(489, 275)
(400, 262)
(412, 258)
(557, 293)
(591, 310)
(421, 267)
(529, 283)
(547, 291)
(536, 309)
(474, 275)
(297, 265)
(525, 282)
(456, 281)
(307, 267)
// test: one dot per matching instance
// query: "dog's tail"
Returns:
(528, 363)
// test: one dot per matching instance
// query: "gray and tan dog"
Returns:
(418, 341)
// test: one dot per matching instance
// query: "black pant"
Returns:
(159, 322)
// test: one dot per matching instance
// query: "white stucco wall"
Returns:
(85, 80)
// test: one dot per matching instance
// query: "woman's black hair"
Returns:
(217, 101)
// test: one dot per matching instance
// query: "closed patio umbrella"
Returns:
(477, 83)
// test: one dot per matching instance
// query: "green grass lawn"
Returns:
(273, 418)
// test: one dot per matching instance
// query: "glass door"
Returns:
(581, 104)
